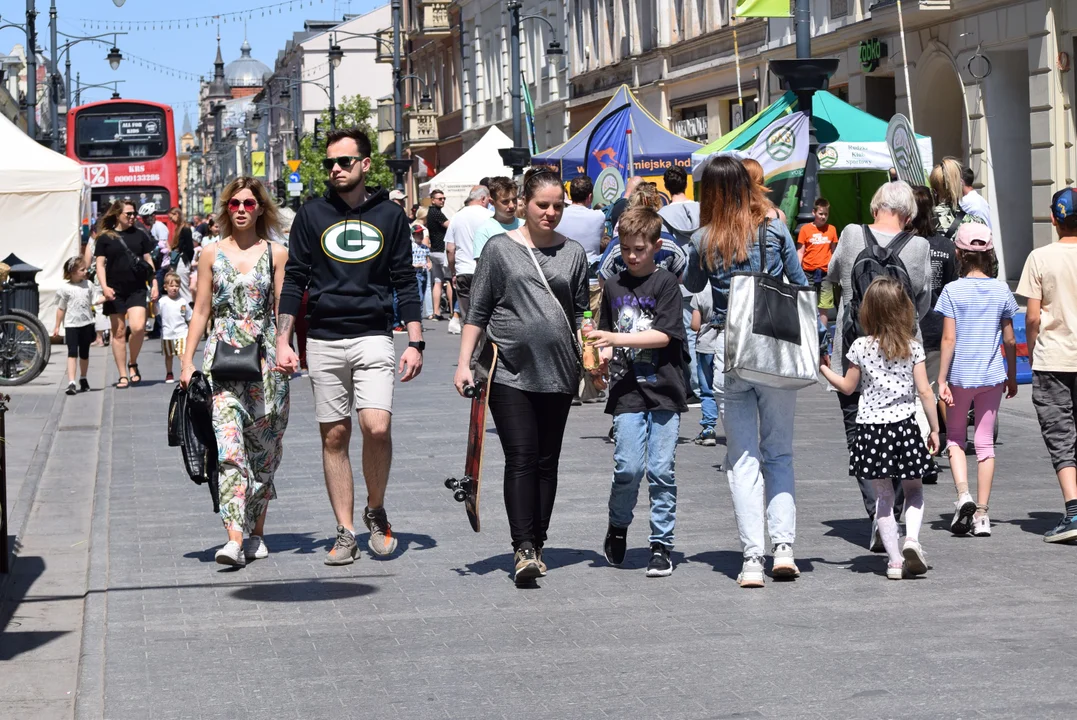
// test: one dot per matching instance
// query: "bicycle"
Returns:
(25, 345)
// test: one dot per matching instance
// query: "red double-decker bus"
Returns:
(127, 149)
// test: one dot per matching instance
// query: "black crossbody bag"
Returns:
(138, 264)
(244, 363)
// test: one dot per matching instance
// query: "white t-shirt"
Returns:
(585, 227)
(974, 204)
(707, 335)
(461, 233)
(76, 300)
(174, 316)
(887, 390)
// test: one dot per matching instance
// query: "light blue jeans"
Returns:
(759, 462)
(711, 372)
(644, 445)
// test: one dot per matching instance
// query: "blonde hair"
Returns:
(169, 277)
(946, 182)
(268, 223)
(640, 222)
(645, 195)
(887, 315)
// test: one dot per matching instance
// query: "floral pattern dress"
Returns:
(249, 418)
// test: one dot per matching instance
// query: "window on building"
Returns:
(738, 114)
(628, 39)
(880, 97)
(841, 92)
(701, 14)
(678, 20)
(648, 24)
(593, 19)
(693, 123)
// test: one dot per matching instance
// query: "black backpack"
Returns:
(873, 261)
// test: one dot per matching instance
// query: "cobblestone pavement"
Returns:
(439, 630)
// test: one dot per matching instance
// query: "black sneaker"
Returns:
(84, 385)
(1064, 531)
(526, 568)
(660, 564)
(72, 388)
(615, 545)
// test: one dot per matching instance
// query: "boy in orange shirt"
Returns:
(815, 246)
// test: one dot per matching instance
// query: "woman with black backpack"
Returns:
(124, 268)
(865, 252)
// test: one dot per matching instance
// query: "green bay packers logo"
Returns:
(781, 143)
(352, 241)
(828, 156)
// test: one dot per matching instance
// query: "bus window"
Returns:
(134, 136)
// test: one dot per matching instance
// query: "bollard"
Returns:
(4, 568)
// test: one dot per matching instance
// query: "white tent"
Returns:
(464, 173)
(42, 198)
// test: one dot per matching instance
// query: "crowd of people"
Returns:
(911, 312)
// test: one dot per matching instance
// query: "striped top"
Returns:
(977, 306)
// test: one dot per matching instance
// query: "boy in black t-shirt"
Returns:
(642, 341)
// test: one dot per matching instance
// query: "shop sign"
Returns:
(871, 52)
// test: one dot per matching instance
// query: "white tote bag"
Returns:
(772, 329)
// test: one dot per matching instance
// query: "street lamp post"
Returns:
(114, 57)
(112, 85)
(336, 54)
(31, 70)
(519, 156)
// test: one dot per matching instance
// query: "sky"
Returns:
(188, 51)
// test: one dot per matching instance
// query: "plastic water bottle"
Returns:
(591, 360)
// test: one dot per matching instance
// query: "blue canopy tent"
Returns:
(654, 148)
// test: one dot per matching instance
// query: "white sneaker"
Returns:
(785, 566)
(964, 509)
(254, 548)
(894, 573)
(751, 573)
(231, 554)
(915, 562)
(981, 526)
(454, 326)
(875, 544)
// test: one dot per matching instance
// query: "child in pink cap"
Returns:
(977, 315)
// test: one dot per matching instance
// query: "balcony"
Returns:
(384, 51)
(430, 19)
(420, 127)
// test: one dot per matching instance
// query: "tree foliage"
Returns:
(351, 111)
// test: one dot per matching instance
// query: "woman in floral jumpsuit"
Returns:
(249, 418)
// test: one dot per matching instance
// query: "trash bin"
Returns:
(25, 294)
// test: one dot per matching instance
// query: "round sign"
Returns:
(609, 185)
(352, 242)
(828, 156)
(781, 143)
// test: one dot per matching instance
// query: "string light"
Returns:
(234, 16)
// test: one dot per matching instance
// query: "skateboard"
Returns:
(466, 489)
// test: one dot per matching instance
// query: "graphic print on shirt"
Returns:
(352, 241)
(634, 314)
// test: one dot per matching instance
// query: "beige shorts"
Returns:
(351, 374)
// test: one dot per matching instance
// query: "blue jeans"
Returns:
(645, 444)
(759, 461)
(428, 303)
(691, 382)
(420, 278)
(705, 374)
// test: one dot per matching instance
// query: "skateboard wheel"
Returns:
(459, 496)
(470, 391)
(452, 483)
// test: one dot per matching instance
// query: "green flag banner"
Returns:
(762, 8)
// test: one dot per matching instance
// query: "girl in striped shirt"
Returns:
(977, 315)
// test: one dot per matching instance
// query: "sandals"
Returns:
(125, 384)
(136, 376)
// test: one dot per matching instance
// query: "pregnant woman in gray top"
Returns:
(534, 320)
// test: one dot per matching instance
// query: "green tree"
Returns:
(351, 111)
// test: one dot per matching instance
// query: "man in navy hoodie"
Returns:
(350, 249)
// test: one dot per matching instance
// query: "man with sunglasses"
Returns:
(438, 225)
(350, 250)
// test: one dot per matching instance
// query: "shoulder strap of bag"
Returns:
(959, 215)
(763, 246)
(869, 237)
(545, 282)
(898, 243)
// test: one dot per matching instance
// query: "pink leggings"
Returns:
(987, 400)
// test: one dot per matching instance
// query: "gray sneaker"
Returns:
(784, 564)
(381, 540)
(344, 549)
(254, 548)
(751, 573)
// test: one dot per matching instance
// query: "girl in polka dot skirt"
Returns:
(888, 366)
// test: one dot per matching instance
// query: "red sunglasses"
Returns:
(249, 204)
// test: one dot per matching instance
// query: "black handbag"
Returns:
(243, 363)
(139, 266)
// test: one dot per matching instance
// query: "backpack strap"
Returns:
(898, 243)
(763, 246)
(869, 237)
(952, 230)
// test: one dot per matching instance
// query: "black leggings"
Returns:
(531, 426)
(79, 340)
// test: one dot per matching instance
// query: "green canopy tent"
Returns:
(853, 155)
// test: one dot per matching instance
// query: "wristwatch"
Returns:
(419, 345)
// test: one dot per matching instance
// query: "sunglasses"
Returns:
(129, 214)
(344, 161)
(249, 204)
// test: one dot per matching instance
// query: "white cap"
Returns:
(397, 195)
